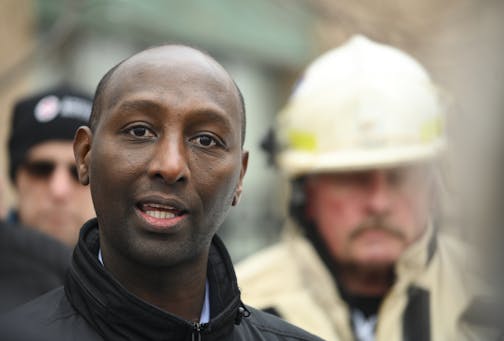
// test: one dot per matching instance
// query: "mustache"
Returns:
(377, 223)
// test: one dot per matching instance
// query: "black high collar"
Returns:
(115, 313)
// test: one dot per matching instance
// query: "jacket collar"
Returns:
(115, 313)
(413, 261)
(419, 254)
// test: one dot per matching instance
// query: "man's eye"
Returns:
(205, 140)
(140, 131)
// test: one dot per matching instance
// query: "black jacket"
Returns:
(94, 306)
(31, 264)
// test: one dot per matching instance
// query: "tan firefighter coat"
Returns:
(432, 289)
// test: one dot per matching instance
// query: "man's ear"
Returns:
(82, 152)
(239, 187)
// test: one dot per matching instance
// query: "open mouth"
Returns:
(160, 211)
(161, 215)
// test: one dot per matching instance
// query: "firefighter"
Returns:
(362, 256)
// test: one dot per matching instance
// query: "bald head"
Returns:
(177, 61)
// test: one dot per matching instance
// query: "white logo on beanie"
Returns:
(47, 108)
(76, 108)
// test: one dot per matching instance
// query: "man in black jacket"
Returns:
(31, 264)
(164, 157)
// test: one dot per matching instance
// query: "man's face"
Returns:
(165, 162)
(50, 197)
(369, 218)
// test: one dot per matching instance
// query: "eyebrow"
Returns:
(211, 115)
(139, 105)
(201, 114)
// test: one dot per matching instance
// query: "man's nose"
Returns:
(61, 182)
(169, 162)
(379, 191)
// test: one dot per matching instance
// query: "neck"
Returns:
(365, 281)
(178, 289)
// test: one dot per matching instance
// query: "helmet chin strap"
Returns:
(297, 208)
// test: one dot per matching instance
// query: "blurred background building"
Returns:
(265, 45)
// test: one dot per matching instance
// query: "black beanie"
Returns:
(52, 115)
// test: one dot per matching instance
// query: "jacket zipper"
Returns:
(197, 329)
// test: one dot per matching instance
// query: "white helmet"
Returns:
(362, 105)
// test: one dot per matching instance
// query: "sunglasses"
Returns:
(44, 169)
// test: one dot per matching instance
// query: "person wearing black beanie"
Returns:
(42, 166)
